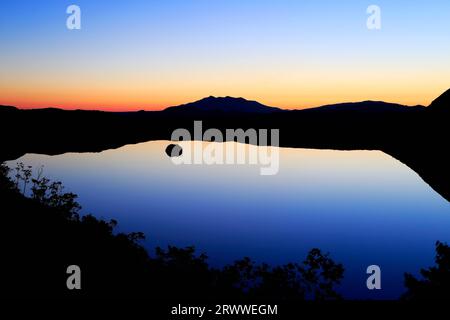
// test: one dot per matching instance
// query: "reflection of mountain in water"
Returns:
(414, 135)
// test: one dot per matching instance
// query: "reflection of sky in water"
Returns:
(364, 207)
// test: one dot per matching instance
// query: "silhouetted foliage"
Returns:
(49, 234)
(46, 192)
(436, 280)
(5, 182)
(315, 278)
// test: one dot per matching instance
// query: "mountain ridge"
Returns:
(441, 103)
(229, 104)
(226, 104)
(365, 106)
(240, 105)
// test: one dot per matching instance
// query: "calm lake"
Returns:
(363, 207)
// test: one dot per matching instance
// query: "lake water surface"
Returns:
(364, 207)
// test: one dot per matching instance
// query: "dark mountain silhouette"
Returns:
(364, 106)
(230, 105)
(222, 105)
(8, 108)
(442, 103)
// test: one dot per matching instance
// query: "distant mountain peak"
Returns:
(367, 106)
(227, 105)
(442, 102)
(8, 108)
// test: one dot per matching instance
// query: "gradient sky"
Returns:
(143, 54)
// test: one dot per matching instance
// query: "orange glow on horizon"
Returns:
(114, 102)
(288, 91)
(293, 91)
(160, 104)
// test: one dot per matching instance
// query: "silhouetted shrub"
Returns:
(436, 280)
